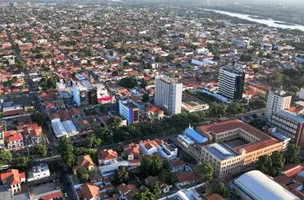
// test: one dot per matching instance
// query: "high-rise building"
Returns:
(168, 94)
(277, 100)
(231, 83)
(84, 93)
(290, 124)
(129, 111)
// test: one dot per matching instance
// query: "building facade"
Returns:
(129, 111)
(231, 83)
(277, 100)
(168, 94)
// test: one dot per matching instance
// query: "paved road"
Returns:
(66, 186)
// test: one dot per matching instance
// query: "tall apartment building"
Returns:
(277, 100)
(129, 111)
(291, 124)
(231, 83)
(168, 94)
(84, 92)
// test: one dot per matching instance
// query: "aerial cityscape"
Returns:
(147, 100)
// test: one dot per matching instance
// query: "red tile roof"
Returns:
(13, 177)
(52, 195)
(89, 191)
(107, 154)
(186, 176)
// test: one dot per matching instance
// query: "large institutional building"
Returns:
(289, 121)
(256, 185)
(168, 94)
(231, 83)
(229, 146)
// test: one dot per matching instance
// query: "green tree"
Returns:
(152, 164)
(167, 176)
(92, 141)
(67, 151)
(235, 108)
(143, 83)
(114, 121)
(128, 82)
(144, 195)
(42, 149)
(83, 174)
(278, 161)
(5, 157)
(205, 171)
(264, 164)
(257, 123)
(292, 153)
(145, 97)
(155, 189)
(121, 175)
(221, 189)
(20, 163)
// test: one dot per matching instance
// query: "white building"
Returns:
(168, 151)
(256, 185)
(277, 100)
(300, 94)
(168, 94)
(231, 83)
(103, 95)
(38, 171)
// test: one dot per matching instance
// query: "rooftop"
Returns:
(220, 151)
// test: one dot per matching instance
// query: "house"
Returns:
(38, 171)
(32, 131)
(127, 191)
(132, 151)
(13, 140)
(167, 150)
(154, 112)
(13, 179)
(149, 146)
(177, 165)
(106, 156)
(155, 180)
(86, 162)
(186, 178)
(89, 192)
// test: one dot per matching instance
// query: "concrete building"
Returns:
(231, 83)
(256, 185)
(233, 146)
(277, 100)
(168, 94)
(289, 123)
(84, 92)
(129, 111)
(168, 151)
(38, 171)
(13, 179)
(103, 95)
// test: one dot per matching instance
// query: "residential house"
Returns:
(177, 165)
(89, 192)
(155, 180)
(186, 178)
(127, 191)
(13, 140)
(106, 156)
(132, 151)
(13, 179)
(38, 171)
(149, 146)
(86, 162)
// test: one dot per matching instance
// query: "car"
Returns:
(65, 195)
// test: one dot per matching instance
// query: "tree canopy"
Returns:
(128, 82)
(121, 175)
(205, 171)
(292, 153)
(5, 157)
(67, 151)
(83, 174)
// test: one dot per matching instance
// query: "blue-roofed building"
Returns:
(196, 137)
(221, 151)
(184, 139)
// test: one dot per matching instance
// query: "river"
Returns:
(261, 20)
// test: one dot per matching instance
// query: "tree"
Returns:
(128, 82)
(20, 163)
(5, 157)
(143, 83)
(235, 108)
(42, 149)
(278, 161)
(114, 121)
(292, 153)
(121, 175)
(145, 97)
(221, 189)
(144, 195)
(66, 150)
(205, 171)
(92, 141)
(167, 176)
(264, 164)
(257, 123)
(152, 164)
(155, 189)
(83, 174)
